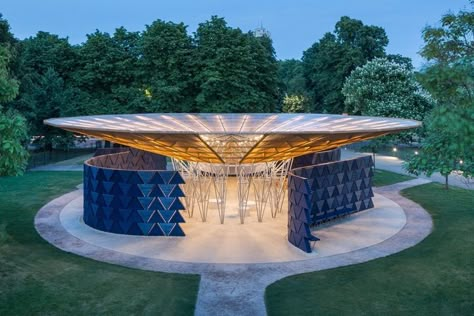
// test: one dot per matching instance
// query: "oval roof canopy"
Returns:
(232, 138)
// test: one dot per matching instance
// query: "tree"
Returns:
(265, 76)
(290, 73)
(235, 72)
(13, 139)
(44, 51)
(13, 130)
(168, 69)
(8, 41)
(108, 74)
(46, 97)
(441, 150)
(45, 68)
(8, 85)
(449, 77)
(385, 88)
(388, 88)
(6, 37)
(330, 60)
(294, 104)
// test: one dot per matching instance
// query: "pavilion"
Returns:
(263, 157)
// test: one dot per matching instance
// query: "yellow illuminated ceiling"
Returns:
(232, 138)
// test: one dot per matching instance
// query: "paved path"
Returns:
(238, 289)
(73, 164)
(395, 164)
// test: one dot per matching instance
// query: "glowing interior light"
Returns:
(394, 149)
(232, 138)
(461, 162)
(416, 152)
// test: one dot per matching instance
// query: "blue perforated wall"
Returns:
(133, 202)
(323, 192)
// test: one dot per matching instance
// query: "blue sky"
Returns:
(294, 25)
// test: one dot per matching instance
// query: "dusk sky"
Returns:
(294, 25)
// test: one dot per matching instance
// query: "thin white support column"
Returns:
(262, 182)
(268, 181)
(202, 187)
(279, 174)
(185, 169)
(244, 181)
(219, 176)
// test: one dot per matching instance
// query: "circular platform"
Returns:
(252, 242)
(241, 286)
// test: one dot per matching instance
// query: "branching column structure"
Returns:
(266, 179)
(279, 175)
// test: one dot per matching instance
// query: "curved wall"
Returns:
(317, 158)
(324, 192)
(124, 193)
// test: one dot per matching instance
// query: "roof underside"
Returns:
(232, 138)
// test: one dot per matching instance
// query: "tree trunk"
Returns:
(446, 182)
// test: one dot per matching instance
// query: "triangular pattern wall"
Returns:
(319, 193)
(132, 202)
(316, 158)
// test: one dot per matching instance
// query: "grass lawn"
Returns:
(382, 177)
(436, 277)
(37, 278)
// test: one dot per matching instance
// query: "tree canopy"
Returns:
(167, 67)
(13, 130)
(330, 60)
(235, 71)
(290, 72)
(8, 85)
(449, 77)
(385, 88)
(45, 67)
(107, 76)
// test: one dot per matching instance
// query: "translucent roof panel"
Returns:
(232, 138)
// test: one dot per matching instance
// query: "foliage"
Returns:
(330, 60)
(44, 51)
(450, 49)
(389, 89)
(13, 129)
(450, 78)
(13, 137)
(235, 71)
(452, 39)
(451, 83)
(385, 88)
(290, 73)
(8, 85)
(442, 150)
(45, 68)
(45, 96)
(107, 76)
(6, 37)
(294, 104)
(167, 67)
